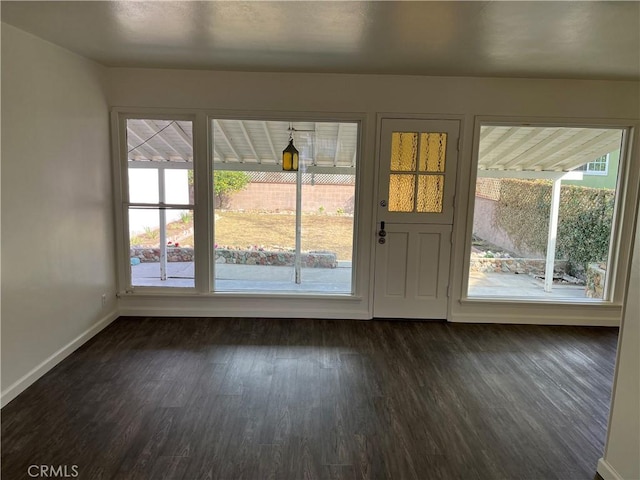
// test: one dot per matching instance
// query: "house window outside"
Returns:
(600, 166)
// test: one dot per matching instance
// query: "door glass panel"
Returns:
(401, 193)
(430, 193)
(433, 148)
(404, 149)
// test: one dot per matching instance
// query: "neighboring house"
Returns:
(600, 173)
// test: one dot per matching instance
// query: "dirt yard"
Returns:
(266, 230)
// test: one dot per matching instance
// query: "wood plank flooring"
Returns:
(195, 398)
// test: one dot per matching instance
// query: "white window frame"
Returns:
(203, 200)
(589, 168)
(122, 197)
(626, 191)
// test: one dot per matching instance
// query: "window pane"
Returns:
(256, 206)
(157, 264)
(430, 193)
(404, 149)
(401, 193)
(178, 186)
(433, 149)
(160, 150)
(327, 231)
(143, 185)
(151, 140)
(513, 211)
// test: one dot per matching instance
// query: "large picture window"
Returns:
(286, 231)
(542, 228)
(269, 230)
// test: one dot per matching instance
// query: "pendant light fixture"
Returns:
(290, 155)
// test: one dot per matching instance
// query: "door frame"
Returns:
(462, 176)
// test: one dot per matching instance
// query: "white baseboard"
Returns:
(606, 471)
(239, 313)
(23, 383)
(520, 319)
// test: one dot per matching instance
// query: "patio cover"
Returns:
(331, 147)
(325, 147)
(507, 150)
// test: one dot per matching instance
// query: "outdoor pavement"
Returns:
(254, 278)
(261, 278)
(495, 284)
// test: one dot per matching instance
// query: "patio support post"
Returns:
(297, 262)
(553, 233)
(163, 225)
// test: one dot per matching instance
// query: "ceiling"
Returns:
(599, 40)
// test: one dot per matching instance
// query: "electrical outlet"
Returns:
(104, 299)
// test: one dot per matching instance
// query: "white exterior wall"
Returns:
(57, 218)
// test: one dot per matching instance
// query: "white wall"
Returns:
(622, 452)
(369, 95)
(57, 219)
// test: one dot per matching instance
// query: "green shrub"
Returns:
(584, 229)
(523, 212)
(225, 183)
(584, 225)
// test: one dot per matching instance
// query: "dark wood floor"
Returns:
(315, 399)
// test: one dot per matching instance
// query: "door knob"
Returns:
(381, 232)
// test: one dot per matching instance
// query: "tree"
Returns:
(225, 183)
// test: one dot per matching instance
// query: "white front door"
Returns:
(416, 190)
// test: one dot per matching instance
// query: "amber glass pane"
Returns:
(401, 193)
(404, 150)
(430, 192)
(433, 149)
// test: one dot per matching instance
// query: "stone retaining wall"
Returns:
(240, 257)
(514, 265)
(596, 274)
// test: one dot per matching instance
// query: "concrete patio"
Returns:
(254, 278)
(510, 285)
(260, 278)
